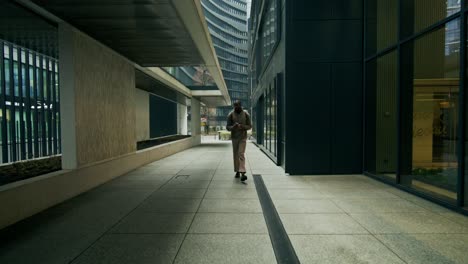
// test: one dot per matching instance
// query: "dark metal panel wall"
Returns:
(308, 119)
(163, 117)
(346, 129)
(324, 87)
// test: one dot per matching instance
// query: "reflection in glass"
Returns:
(381, 116)
(273, 120)
(434, 114)
(420, 14)
(270, 119)
(381, 24)
(466, 145)
(269, 32)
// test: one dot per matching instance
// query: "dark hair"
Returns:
(237, 102)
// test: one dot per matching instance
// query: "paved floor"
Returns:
(187, 208)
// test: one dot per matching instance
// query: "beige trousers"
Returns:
(238, 147)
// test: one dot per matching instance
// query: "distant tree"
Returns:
(202, 76)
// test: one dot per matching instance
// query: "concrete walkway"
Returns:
(188, 208)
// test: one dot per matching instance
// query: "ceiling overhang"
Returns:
(195, 23)
(150, 33)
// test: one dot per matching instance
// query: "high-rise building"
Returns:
(227, 23)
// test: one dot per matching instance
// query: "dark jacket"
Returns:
(243, 118)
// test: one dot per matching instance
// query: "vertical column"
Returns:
(181, 119)
(35, 103)
(57, 112)
(196, 124)
(42, 98)
(53, 109)
(4, 108)
(67, 98)
(21, 90)
(12, 105)
(48, 108)
(29, 122)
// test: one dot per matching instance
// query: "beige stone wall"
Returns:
(105, 102)
(25, 198)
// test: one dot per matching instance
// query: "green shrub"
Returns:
(224, 135)
(28, 169)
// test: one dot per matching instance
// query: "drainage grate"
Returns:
(182, 176)
(282, 246)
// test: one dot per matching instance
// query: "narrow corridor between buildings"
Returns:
(188, 208)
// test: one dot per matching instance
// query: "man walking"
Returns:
(238, 123)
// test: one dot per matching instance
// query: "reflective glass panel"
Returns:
(381, 116)
(420, 14)
(431, 108)
(381, 25)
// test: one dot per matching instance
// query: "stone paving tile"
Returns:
(391, 223)
(457, 218)
(306, 206)
(224, 177)
(182, 184)
(230, 206)
(167, 205)
(225, 171)
(235, 193)
(132, 248)
(198, 177)
(226, 248)
(289, 185)
(45, 248)
(352, 193)
(196, 172)
(365, 205)
(234, 183)
(154, 223)
(175, 193)
(321, 224)
(282, 194)
(231, 223)
(328, 218)
(331, 249)
(133, 184)
(429, 248)
(146, 177)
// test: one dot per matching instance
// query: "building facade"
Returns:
(364, 86)
(29, 101)
(227, 23)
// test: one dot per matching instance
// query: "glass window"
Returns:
(31, 81)
(264, 136)
(267, 124)
(44, 85)
(39, 79)
(37, 118)
(23, 78)
(270, 119)
(268, 35)
(273, 120)
(430, 112)
(381, 116)
(420, 14)
(466, 144)
(7, 76)
(16, 77)
(382, 24)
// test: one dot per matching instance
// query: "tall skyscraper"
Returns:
(227, 23)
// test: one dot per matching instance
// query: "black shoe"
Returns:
(237, 175)
(243, 178)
